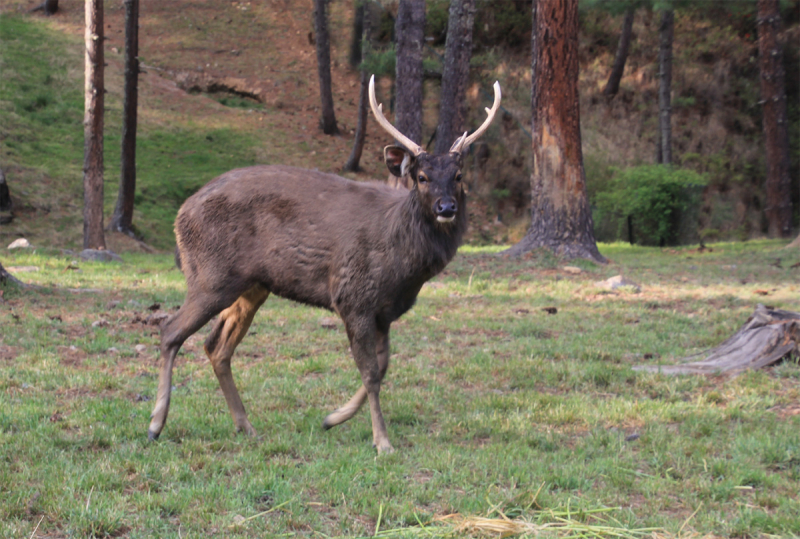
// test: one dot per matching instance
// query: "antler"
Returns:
(377, 110)
(463, 141)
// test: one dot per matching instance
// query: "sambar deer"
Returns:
(363, 250)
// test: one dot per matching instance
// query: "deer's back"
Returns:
(302, 234)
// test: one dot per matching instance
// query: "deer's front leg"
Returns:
(363, 340)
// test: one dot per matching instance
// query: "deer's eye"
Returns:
(458, 177)
(422, 178)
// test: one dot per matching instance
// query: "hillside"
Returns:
(258, 61)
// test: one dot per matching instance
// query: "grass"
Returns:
(498, 409)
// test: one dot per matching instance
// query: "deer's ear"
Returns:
(398, 160)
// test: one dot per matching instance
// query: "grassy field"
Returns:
(499, 410)
(496, 407)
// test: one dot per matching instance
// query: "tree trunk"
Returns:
(768, 336)
(5, 194)
(666, 31)
(5, 201)
(329, 126)
(356, 43)
(93, 237)
(561, 219)
(50, 7)
(612, 86)
(122, 219)
(7, 277)
(458, 52)
(353, 162)
(775, 121)
(409, 34)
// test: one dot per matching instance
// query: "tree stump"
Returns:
(768, 336)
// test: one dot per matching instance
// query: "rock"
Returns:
(155, 319)
(100, 255)
(113, 304)
(140, 348)
(617, 281)
(572, 270)
(329, 322)
(19, 243)
(100, 323)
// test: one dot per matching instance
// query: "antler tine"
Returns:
(377, 110)
(490, 113)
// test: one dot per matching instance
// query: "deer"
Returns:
(360, 249)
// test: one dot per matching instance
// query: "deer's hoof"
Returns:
(384, 448)
(152, 436)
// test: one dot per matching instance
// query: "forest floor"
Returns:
(511, 399)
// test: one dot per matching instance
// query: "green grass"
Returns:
(494, 406)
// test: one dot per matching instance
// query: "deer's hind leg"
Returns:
(228, 332)
(198, 308)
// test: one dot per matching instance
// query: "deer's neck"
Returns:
(427, 246)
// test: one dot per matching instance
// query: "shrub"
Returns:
(659, 200)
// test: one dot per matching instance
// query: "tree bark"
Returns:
(6, 216)
(356, 43)
(93, 236)
(5, 194)
(7, 277)
(328, 122)
(666, 31)
(353, 162)
(768, 336)
(49, 7)
(561, 219)
(409, 31)
(618, 68)
(122, 218)
(775, 121)
(458, 52)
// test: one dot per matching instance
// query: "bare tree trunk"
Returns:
(775, 121)
(612, 86)
(5, 194)
(666, 31)
(353, 162)
(409, 30)
(323, 39)
(49, 7)
(93, 236)
(6, 216)
(356, 43)
(561, 219)
(7, 277)
(122, 219)
(458, 52)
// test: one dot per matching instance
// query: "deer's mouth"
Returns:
(445, 219)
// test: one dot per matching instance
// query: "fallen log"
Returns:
(769, 336)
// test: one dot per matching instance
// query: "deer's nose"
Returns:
(445, 207)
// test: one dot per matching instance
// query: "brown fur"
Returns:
(363, 250)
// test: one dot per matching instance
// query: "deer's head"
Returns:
(436, 178)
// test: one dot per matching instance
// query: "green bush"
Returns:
(659, 199)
